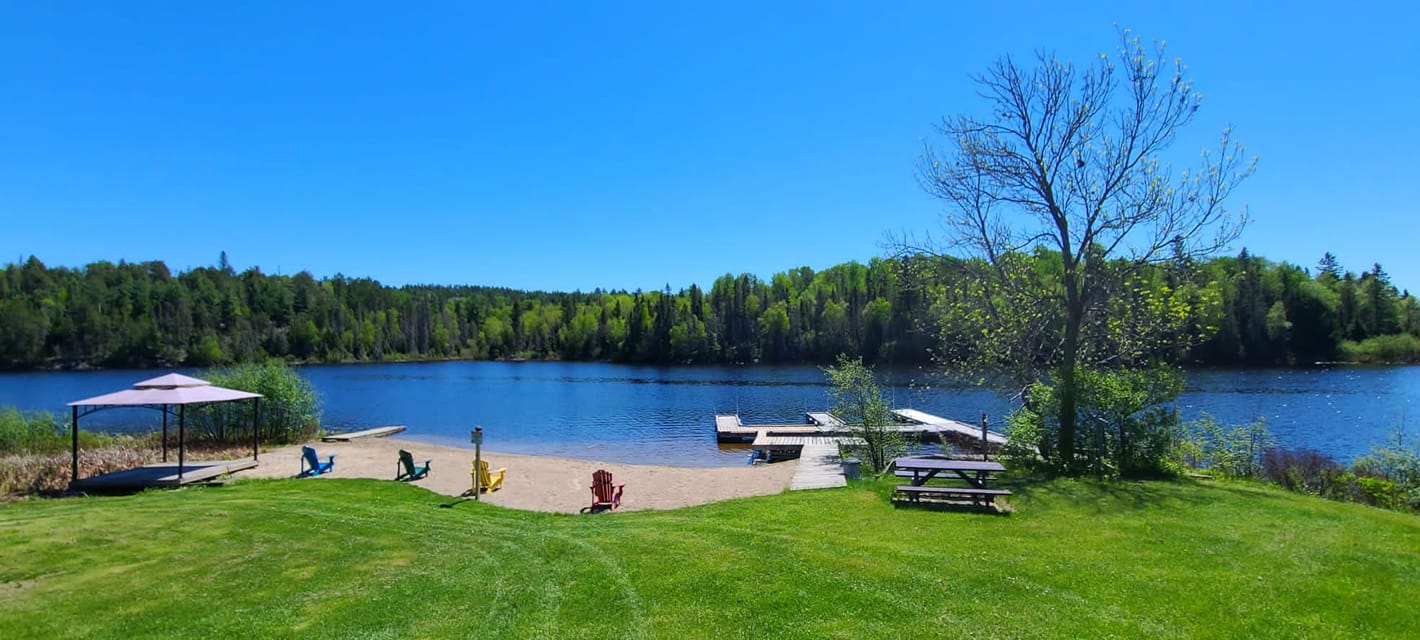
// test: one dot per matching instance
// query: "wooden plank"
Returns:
(377, 432)
(902, 473)
(944, 424)
(819, 468)
(965, 491)
(940, 464)
(163, 474)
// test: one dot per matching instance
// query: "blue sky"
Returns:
(579, 145)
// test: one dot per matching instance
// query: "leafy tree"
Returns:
(1072, 159)
(1328, 269)
(1127, 426)
(22, 332)
(859, 402)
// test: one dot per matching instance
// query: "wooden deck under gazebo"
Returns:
(164, 393)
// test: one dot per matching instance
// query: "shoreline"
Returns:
(533, 483)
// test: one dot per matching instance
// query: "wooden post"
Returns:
(983, 435)
(74, 426)
(477, 460)
(182, 443)
(255, 426)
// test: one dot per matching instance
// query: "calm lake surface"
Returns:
(665, 415)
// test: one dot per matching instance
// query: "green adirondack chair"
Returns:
(408, 470)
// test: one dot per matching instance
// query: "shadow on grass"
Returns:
(1105, 495)
(458, 500)
(949, 506)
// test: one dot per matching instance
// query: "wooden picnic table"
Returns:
(975, 472)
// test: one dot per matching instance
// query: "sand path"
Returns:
(536, 483)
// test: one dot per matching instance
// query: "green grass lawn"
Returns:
(364, 558)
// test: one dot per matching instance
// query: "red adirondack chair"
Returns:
(606, 495)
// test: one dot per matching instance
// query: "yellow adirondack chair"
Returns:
(485, 480)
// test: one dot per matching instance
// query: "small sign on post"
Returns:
(477, 437)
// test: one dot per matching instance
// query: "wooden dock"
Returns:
(816, 443)
(945, 425)
(377, 432)
(163, 474)
(918, 425)
(728, 428)
(819, 468)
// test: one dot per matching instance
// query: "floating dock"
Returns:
(945, 425)
(816, 443)
(922, 426)
(377, 432)
(728, 428)
(163, 474)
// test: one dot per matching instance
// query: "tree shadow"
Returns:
(1105, 495)
(952, 506)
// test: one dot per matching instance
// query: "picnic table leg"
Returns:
(974, 480)
(918, 479)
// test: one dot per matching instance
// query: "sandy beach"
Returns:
(536, 483)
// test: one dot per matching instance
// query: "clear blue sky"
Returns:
(578, 145)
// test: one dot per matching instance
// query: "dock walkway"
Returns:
(377, 432)
(941, 424)
(819, 468)
(915, 424)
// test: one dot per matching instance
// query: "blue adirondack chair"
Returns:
(311, 464)
(408, 470)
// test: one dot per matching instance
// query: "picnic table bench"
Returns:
(976, 473)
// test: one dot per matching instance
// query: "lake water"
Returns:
(665, 415)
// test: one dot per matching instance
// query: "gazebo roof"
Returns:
(173, 388)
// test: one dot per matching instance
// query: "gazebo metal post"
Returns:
(165, 433)
(74, 427)
(255, 426)
(182, 431)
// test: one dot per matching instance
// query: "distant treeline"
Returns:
(141, 315)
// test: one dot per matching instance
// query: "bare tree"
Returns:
(1070, 160)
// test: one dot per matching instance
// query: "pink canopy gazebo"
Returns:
(163, 393)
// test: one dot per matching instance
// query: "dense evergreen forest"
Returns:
(1252, 311)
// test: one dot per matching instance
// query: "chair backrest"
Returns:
(484, 480)
(602, 486)
(407, 459)
(310, 455)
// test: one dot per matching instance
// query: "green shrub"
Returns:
(1379, 492)
(1231, 450)
(1023, 433)
(1397, 465)
(1397, 348)
(38, 432)
(290, 409)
